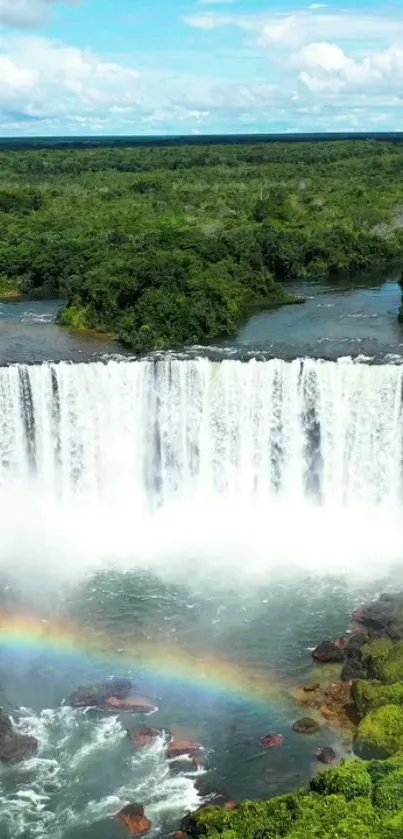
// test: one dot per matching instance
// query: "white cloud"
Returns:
(325, 66)
(39, 76)
(51, 87)
(297, 28)
(26, 12)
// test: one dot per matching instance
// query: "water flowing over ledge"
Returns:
(246, 451)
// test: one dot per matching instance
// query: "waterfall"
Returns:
(125, 440)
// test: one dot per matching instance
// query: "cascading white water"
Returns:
(175, 456)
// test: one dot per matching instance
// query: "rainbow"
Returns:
(22, 633)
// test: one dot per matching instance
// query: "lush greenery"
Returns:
(356, 800)
(167, 245)
(362, 798)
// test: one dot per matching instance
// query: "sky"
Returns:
(157, 67)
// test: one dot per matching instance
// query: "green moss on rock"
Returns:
(388, 792)
(350, 779)
(369, 695)
(299, 816)
(380, 734)
(385, 659)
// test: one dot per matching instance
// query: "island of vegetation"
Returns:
(362, 798)
(166, 246)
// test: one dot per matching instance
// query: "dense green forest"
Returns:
(163, 246)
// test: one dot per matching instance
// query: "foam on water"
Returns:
(58, 789)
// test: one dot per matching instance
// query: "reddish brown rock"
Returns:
(180, 835)
(271, 741)
(331, 650)
(335, 703)
(135, 704)
(134, 819)
(230, 805)
(310, 687)
(183, 748)
(142, 736)
(326, 755)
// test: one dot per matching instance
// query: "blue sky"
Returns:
(199, 66)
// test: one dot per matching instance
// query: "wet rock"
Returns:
(183, 748)
(97, 694)
(13, 745)
(331, 651)
(142, 736)
(311, 687)
(217, 798)
(135, 704)
(132, 816)
(199, 763)
(334, 701)
(326, 755)
(180, 835)
(386, 613)
(306, 725)
(271, 741)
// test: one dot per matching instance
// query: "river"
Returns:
(197, 521)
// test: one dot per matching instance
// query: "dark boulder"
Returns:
(215, 798)
(13, 745)
(331, 650)
(132, 816)
(386, 614)
(142, 736)
(326, 755)
(96, 695)
(306, 725)
(271, 741)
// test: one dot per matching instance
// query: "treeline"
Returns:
(163, 246)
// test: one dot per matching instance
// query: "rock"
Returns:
(306, 725)
(335, 703)
(386, 613)
(13, 745)
(380, 733)
(96, 694)
(183, 748)
(271, 741)
(331, 651)
(142, 736)
(368, 695)
(214, 796)
(180, 835)
(326, 755)
(310, 687)
(132, 816)
(135, 704)
(199, 763)
(217, 798)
